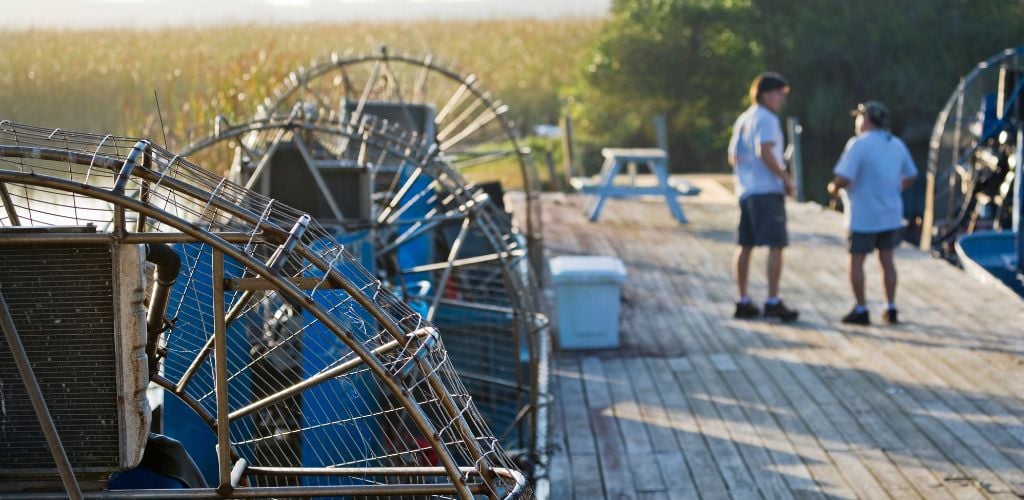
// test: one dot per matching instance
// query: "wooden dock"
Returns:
(698, 405)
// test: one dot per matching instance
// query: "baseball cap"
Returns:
(874, 111)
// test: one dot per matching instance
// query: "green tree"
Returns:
(695, 58)
(682, 58)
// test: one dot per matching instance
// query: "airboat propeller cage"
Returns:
(448, 108)
(425, 225)
(259, 283)
(969, 166)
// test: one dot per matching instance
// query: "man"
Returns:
(873, 171)
(762, 183)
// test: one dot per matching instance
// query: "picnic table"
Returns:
(654, 159)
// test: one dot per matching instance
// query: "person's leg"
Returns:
(885, 257)
(857, 277)
(741, 263)
(744, 247)
(774, 271)
(860, 245)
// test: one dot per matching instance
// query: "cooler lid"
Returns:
(587, 269)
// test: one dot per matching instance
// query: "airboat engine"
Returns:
(77, 302)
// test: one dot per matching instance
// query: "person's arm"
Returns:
(908, 171)
(733, 146)
(838, 182)
(846, 168)
(768, 157)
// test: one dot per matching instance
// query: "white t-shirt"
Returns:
(756, 126)
(876, 163)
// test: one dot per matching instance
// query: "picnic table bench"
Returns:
(654, 159)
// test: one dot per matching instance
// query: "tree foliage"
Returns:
(694, 59)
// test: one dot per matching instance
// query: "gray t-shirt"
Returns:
(756, 126)
(876, 163)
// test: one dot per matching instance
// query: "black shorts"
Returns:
(866, 243)
(763, 221)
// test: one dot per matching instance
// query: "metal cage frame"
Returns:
(174, 201)
(259, 138)
(947, 151)
(470, 108)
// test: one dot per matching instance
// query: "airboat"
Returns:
(136, 283)
(973, 212)
(392, 154)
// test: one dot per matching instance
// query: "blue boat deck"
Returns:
(698, 405)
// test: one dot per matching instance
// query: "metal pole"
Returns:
(1018, 196)
(442, 284)
(796, 163)
(35, 395)
(221, 369)
(5, 198)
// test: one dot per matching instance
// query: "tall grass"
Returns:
(103, 81)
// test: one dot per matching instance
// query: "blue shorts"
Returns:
(763, 221)
(865, 243)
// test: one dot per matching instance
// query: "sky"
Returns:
(160, 13)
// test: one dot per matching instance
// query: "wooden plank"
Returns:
(762, 416)
(646, 473)
(560, 477)
(611, 450)
(828, 475)
(634, 426)
(734, 470)
(932, 401)
(586, 473)
(881, 465)
(930, 427)
(818, 461)
(862, 398)
(706, 476)
(626, 409)
(675, 470)
(578, 430)
(651, 407)
(751, 446)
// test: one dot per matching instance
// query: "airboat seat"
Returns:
(604, 187)
(166, 465)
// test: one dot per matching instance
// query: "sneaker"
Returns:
(780, 311)
(746, 310)
(857, 318)
(891, 316)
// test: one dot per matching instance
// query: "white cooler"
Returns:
(587, 291)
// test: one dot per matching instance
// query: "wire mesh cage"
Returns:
(970, 156)
(437, 240)
(301, 373)
(452, 110)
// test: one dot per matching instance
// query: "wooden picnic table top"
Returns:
(696, 404)
(634, 153)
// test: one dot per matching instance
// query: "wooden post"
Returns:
(568, 148)
(556, 180)
(661, 134)
(662, 131)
